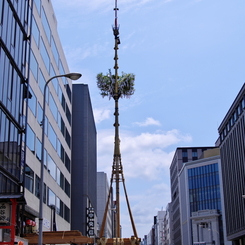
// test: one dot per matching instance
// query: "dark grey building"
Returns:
(84, 163)
(232, 150)
(182, 155)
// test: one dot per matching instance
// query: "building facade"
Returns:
(84, 163)
(102, 197)
(15, 28)
(47, 60)
(167, 226)
(181, 156)
(232, 150)
(201, 202)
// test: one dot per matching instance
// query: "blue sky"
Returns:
(188, 57)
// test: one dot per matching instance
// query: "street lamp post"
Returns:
(72, 76)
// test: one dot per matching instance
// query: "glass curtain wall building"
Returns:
(15, 22)
(204, 188)
(14, 51)
(181, 156)
(201, 202)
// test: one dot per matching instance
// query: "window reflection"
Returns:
(52, 136)
(30, 142)
(51, 167)
(44, 55)
(35, 31)
(39, 114)
(204, 188)
(51, 197)
(29, 178)
(38, 149)
(32, 103)
(41, 81)
(55, 51)
(34, 66)
(53, 107)
(46, 25)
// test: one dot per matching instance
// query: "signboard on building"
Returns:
(4, 213)
(90, 222)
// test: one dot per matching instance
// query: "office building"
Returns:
(181, 156)
(232, 151)
(15, 24)
(84, 163)
(167, 226)
(46, 61)
(102, 197)
(201, 201)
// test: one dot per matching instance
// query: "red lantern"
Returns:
(29, 222)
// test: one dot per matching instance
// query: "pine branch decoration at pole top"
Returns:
(125, 82)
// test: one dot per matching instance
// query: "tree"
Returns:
(107, 85)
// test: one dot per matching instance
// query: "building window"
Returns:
(46, 25)
(67, 188)
(67, 162)
(67, 213)
(243, 103)
(235, 116)
(51, 167)
(194, 153)
(55, 51)
(32, 103)
(39, 114)
(53, 107)
(42, 82)
(54, 81)
(68, 91)
(34, 66)
(68, 114)
(51, 197)
(204, 189)
(62, 181)
(61, 211)
(38, 5)
(35, 31)
(68, 138)
(38, 149)
(30, 142)
(52, 136)
(44, 55)
(184, 153)
(239, 111)
(29, 179)
(37, 186)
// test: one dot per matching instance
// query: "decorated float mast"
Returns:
(116, 87)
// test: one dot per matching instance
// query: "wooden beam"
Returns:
(62, 237)
(59, 237)
(119, 241)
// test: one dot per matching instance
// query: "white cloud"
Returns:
(144, 207)
(102, 5)
(101, 115)
(148, 121)
(77, 54)
(143, 156)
